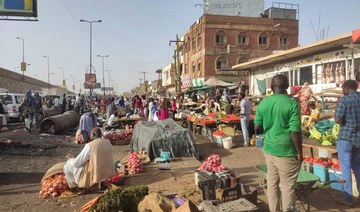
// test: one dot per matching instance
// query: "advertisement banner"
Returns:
(244, 8)
(90, 81)
(26, 8)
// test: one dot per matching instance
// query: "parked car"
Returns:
(12, 102)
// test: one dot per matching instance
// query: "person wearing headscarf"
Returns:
(27, 108)
(38, 109)
(305, 94)
(102, 104)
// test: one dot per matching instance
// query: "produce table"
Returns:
(312, 143)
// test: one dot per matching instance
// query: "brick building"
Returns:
(215, 43)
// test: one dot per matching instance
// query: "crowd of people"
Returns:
(278, 118)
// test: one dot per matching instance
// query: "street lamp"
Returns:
(50, 75)
(73, 83)
(102, 57)
(23, 64)
(108, 71)
(90, 22)
(48, 60)
(63, 70)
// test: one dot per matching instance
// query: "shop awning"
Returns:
(213, 81)
(198, 82)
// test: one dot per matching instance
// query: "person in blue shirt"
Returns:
(121, 102)
(347, 114)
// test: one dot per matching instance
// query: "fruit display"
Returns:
(328, 137)
(53, 186)
(134, 163)
(231, 118)
(212, 163)
(206, 121)
(335, 166)
(118, 135)
(212, 115)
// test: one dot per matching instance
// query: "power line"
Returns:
(104, 46)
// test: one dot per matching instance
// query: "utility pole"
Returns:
(144, 72)
(177, 62)
(90, 22)
(103, 67)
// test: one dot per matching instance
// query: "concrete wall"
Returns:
(17, 83)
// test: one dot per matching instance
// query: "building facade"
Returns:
(217, 42)
(323, 64)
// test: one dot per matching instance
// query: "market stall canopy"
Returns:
(167, 136)
(213, 81)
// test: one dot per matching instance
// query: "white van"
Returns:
(12, 102)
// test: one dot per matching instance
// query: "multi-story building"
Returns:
(215, 43)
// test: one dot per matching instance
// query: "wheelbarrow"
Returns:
(305, 184)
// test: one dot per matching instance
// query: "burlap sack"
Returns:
(55, 169)
(156, 202)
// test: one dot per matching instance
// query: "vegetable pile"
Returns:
(53, 186)
(113, 179)
(212, 163)
(118, 135)
(319, 161)
(231, 117)
(119, 199)
(218, 133)
(134, 163)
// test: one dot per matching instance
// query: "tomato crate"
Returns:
(207, 184)
(307, 166)
(321, 171)
(336, 175)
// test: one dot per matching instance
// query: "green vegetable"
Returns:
(119, 199)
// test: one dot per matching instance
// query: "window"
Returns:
(263, 40)
(284, 42)
(220, 38)
(193, 44)
(221, 62)
(243, 39)
(193, 68)
(243, 58)
(199, 66)
(199, 41)
(186, 68)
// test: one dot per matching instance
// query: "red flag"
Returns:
(355, 36)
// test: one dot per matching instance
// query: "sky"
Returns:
(134, 33)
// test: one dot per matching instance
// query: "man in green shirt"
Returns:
(278, 118)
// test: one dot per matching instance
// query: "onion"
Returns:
(54, 194)
(51, 190)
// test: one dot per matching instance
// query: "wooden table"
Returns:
(312, 143)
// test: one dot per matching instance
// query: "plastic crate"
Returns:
(240, 191)
(236, 205)
(321, 172)
(307, 167)
(336, 175)
(207, 184)
(259, 141)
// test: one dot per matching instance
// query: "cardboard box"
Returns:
(187, 207)
(228, 130)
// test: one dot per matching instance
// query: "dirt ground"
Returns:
(24, 158)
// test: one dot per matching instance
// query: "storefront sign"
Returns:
(244, 8)
(198, 82)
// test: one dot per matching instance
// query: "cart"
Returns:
(306, 183)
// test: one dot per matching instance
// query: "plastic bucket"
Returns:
(227, 142)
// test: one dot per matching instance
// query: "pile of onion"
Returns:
(134, 163)
(212, 163)
(53, 186)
